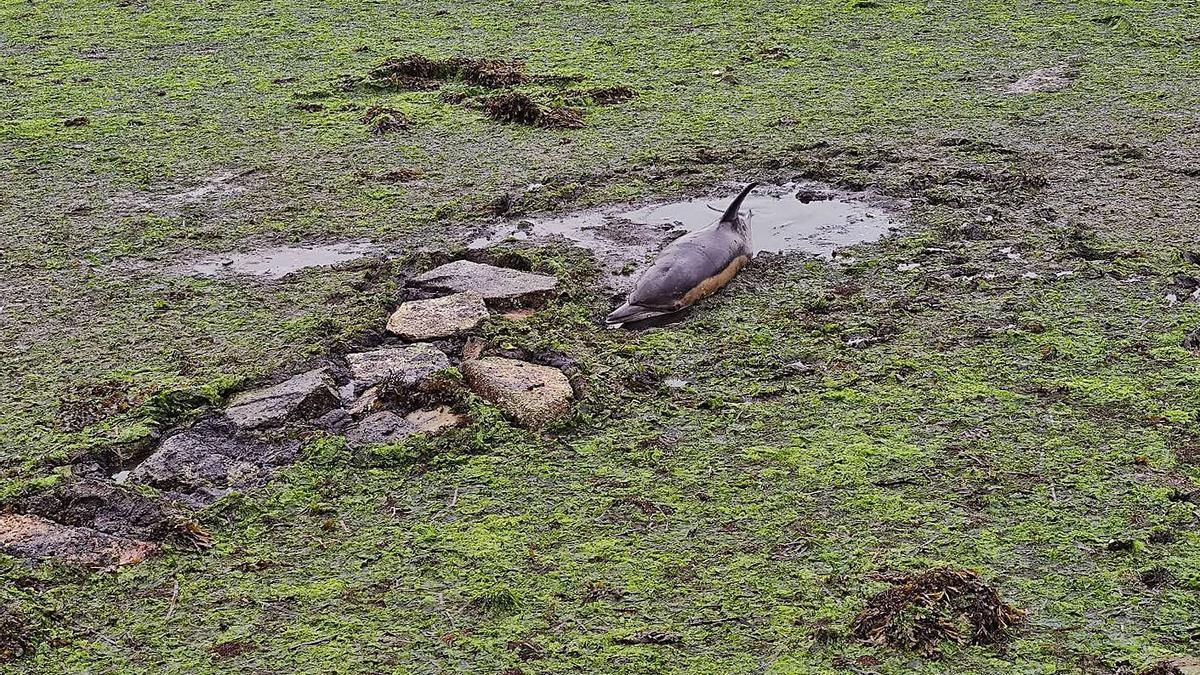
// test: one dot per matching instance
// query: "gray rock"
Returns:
(207, 462)
(332, 421)
(532, 395)
(36, 537)
(406, 366)
(438, 317)
(499, 286)
(378, 428)
(304, 396)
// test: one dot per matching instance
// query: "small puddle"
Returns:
(806, 218)
(277, 262)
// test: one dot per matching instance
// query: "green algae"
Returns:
(1015, 426)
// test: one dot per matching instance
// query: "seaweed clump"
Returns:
(921, 611)
(420, 73)
(515, 107)
(385, 120)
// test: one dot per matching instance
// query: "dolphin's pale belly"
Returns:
(714, 283)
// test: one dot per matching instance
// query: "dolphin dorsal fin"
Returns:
(731, 213)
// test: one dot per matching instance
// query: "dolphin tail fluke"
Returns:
(731, 213)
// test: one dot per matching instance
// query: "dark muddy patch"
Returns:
(806, 218)
(276, 262)
(921, 611)
(558, 108)
(602, 96)
(416, 73)
(17, 635)
(232, 649)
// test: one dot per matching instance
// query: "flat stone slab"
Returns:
(532, 395)
(36, 537)
(406, 366)
(498, 285)
(306, 395)
(438, 317)
(207, 463)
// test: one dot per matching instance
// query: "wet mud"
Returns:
(276, 262)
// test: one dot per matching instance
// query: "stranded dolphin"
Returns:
(692, 267)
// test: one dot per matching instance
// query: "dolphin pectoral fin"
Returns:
(628, 313)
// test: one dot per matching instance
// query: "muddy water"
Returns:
(804, 218)
(278, 262)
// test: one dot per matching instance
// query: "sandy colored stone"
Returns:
(498, 285)
(367, 403)
(438, 317)
(434, 421)
(306, 395)
(37, 537)
(1186, 665)
(405, 366)
(532, 395)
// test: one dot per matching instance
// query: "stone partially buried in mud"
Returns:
(206, 462)
(306, 395)
(405, 366)
(532, 395)
(36, 537)
(379, 428)
(389, 427)
(438, 317)
(104, 506)
(499, 286)
(1181, 665)
(1045, 80)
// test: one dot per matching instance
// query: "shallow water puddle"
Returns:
(803, 218)
(278, 262)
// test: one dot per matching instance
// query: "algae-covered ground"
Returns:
(1001, 387)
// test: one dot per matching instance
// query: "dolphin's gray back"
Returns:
(685, 263)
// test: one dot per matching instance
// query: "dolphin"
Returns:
(692, 267)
